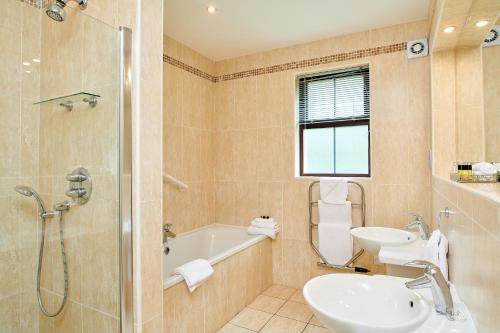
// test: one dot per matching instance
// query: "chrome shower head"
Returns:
(24, 190)
(56, 10)
(29, 192)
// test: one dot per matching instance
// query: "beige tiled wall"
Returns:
(19, 125)
(236, 282)
(443, 77)
(469, 104)
(491, 83)
(474, 239)
(85, 137)
(68, 52)
(254, 143)
(188, 139)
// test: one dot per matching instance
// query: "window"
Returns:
(334, 123)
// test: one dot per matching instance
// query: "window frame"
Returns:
(333, 124)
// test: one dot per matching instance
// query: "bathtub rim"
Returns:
(171, 281)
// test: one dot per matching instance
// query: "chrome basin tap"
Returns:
(440, 288)
(421, 225)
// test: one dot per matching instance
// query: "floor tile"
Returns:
(295, 310)
(230, 328)
(267, 304)
(251, 319)
(298, 296)
(279, 291)
(315, 329)
(279, 324)
(314, 321)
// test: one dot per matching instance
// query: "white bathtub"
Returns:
(214, 242)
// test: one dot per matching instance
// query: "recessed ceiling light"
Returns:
(36, 60)
(26, 63)
(211, 9)
(449, 29)
(28, 72)
(481, 23)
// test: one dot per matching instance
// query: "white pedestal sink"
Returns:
(353, 303)
(373, 238)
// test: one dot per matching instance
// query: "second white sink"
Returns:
(361, 303)
(372, 238)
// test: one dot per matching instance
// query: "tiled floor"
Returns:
(279, 309)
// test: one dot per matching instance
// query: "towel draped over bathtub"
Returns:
(195, 273)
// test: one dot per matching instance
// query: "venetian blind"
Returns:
(334, 96)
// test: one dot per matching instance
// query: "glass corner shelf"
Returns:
(67, 102)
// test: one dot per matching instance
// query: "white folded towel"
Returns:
(335, 242)
(335, 213)
(483, 168)
(264, 223)
(443, 256)
(195, 273)
(263, 231)
(333, 190)
(436, 251)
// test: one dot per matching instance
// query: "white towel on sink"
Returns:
(195, 273)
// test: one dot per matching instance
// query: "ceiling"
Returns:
(241, 27)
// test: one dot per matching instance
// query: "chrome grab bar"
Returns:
(312, 225)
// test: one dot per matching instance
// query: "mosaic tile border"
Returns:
(188, 68)
(290, 65)
(37, 3)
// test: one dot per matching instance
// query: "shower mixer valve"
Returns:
(80, 186)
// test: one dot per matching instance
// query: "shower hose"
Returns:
(39, 271)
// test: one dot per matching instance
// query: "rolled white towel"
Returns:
(195, 273)
(271, 233)
(443, 255)
(431, 250)
(264, 223)
(483, 168)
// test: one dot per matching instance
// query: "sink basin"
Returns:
(372, 238)
(353, 303)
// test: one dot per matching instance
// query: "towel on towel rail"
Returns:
(333, 190)
(335, 242)
(335, 213)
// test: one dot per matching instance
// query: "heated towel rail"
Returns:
(313, 225)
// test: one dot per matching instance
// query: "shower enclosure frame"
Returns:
(125, 180)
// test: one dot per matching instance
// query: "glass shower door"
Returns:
(59, 139)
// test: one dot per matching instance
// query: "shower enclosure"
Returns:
(65, 170)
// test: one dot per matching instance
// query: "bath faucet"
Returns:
(166, 234)
(440, 288)
(420, 224)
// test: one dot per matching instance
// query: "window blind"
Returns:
(334, 96)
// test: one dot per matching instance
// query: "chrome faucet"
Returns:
(440, 288)
(167, 233)
(420, 224)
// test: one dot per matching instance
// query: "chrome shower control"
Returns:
(76, 192)
(80, 186)
(77, 178)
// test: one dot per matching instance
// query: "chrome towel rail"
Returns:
(312, 225)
